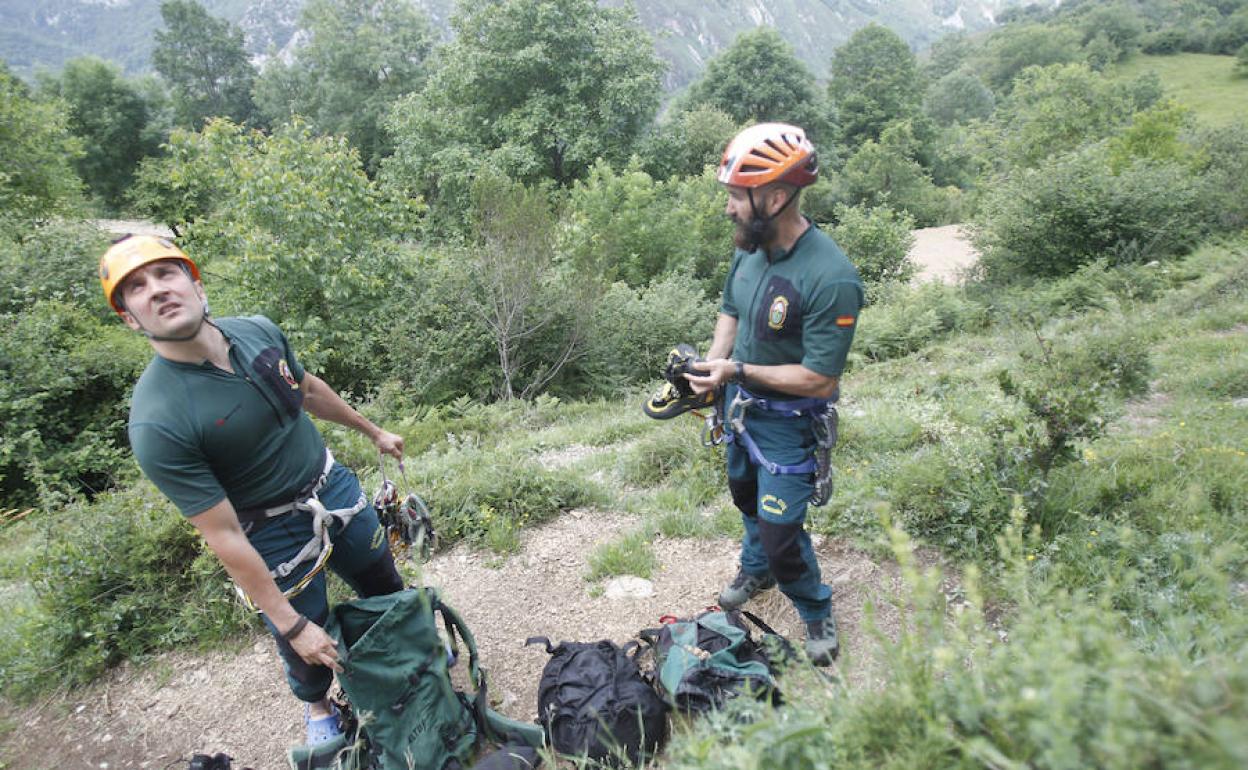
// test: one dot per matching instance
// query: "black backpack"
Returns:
(701, 663)
(593, 702)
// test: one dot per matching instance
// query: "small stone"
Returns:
(629, 587)
(1242, 403)
(107, 737)
(80, 708)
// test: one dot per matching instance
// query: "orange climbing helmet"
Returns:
(769, 152)
(132, 252)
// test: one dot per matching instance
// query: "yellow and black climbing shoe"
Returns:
(676, 396)
(669, 402)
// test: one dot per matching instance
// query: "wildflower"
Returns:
(1031, 557)
(1089, 455)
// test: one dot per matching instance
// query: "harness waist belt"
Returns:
(792, 407)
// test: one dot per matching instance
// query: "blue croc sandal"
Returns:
(321, 729)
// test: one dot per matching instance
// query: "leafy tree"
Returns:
(948, 54)
(1056, 109)
(1241, 62)
(203, 60)
(289, 226)
(627, 227)
(875, 82)
(1154, 134)
(360, 57)
(758, 78)
(878, 241)
(37, 179)
(538, 89)
(1014, 48)
(1118, 24)
(886, 173)
(687, 143)
(513, 290)
(958, 97)
(111, 117)
(1225, 154)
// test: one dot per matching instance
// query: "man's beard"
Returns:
(748, 239)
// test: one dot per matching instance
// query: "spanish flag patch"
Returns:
(844, 321)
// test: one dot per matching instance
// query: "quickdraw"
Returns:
(408, 523)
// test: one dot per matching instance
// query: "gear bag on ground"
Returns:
(594, 703)
(405, 711)
(703, 662)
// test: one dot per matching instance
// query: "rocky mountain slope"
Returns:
(46, 33)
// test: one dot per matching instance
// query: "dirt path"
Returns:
(942, 253)
(237, 702)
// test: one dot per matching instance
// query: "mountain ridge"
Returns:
(38, 34)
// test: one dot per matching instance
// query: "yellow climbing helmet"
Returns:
(132, 252)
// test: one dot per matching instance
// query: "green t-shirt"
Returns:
(202, 434)
(799, 307)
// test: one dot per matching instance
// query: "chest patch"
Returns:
(778, 312)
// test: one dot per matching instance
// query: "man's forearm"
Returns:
(793, 379)
(323, 402)
(725, 335)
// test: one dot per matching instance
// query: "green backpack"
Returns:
(701, 663)
(406, 711)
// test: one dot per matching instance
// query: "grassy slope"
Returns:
(1203, 82)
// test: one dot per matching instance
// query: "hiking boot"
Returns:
(821, 643)
(743, 588)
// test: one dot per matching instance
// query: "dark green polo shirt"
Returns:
(202, 434)
(798, 307)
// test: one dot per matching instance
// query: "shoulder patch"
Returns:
(845, 320)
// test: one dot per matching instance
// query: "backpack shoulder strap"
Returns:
(758, 622)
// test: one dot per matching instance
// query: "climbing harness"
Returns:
(824, 423)
(409, 526)
(319, 547)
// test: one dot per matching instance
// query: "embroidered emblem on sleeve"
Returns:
(845, 321)
(283, 369)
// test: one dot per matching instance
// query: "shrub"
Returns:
(1074, 210)
(64, 380)
(119, 578)
(632, 330)
(625, 226)
(903, 319)
(877, 240)
(53, 261)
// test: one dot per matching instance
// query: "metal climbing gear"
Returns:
(409, 526)
(319, 547)
(824, 422)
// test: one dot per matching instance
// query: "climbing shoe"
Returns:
(676, 396)
(822, 646)
(743, 588)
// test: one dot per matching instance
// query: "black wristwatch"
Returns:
(738, 372)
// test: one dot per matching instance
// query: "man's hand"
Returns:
(718, 371)
(316, 647)
(389, 443)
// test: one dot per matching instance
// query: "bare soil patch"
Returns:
(942, 254)
(236, 701)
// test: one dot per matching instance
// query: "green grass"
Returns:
(631, 554)
(1204, 82)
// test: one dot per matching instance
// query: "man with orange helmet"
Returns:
(790, 306)
(219, 422)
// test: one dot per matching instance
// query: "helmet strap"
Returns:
(758, 223)
(203, 318)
